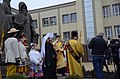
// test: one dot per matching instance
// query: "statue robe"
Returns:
(6, 21)
(5, 17)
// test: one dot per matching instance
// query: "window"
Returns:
(73, 17)
(117, 30)
(108, 31)
(45, 22)
(34, 24)
(106, 11)
(65, 18)
(66, 36)
(116, 9)
(53, 20)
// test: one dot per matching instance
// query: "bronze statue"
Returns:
(6, 21)
(23, 21)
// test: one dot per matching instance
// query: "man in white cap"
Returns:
(11, 52)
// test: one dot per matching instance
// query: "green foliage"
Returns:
(16, 76)
(74, 77)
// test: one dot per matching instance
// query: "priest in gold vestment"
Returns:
(74, 53)
(61, 64)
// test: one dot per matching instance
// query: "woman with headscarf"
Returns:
(49, 58)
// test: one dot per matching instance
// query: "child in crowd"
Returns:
(35, 61)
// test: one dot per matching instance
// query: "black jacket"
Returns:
(98, 45)
(115, 45)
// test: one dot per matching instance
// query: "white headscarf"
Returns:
(43, 43)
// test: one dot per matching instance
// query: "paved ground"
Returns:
(88, 66)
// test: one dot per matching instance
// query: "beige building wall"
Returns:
(45, 30)
(81, 21)
(58, 11)
(100, 21)
(68, 26)
(112, 20)
(98, 16)
(45, 14)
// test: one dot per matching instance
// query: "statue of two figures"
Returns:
(22, 21)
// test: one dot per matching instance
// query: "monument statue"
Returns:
(6, 21)
(23, 21)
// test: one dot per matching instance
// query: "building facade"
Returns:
(87, 17)
(60, 19)
(107, 17)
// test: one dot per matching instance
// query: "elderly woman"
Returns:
(49, 58)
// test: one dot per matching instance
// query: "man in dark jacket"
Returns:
(98, 46)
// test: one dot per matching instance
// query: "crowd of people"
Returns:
(49, 60)
(22, 54)
(103, 51)
(56, 57)
(18, 40)
(46, 61)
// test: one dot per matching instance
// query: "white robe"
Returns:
(11, 50)
(35, 57)
(22, 50)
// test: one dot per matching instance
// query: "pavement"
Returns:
(89, 66)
